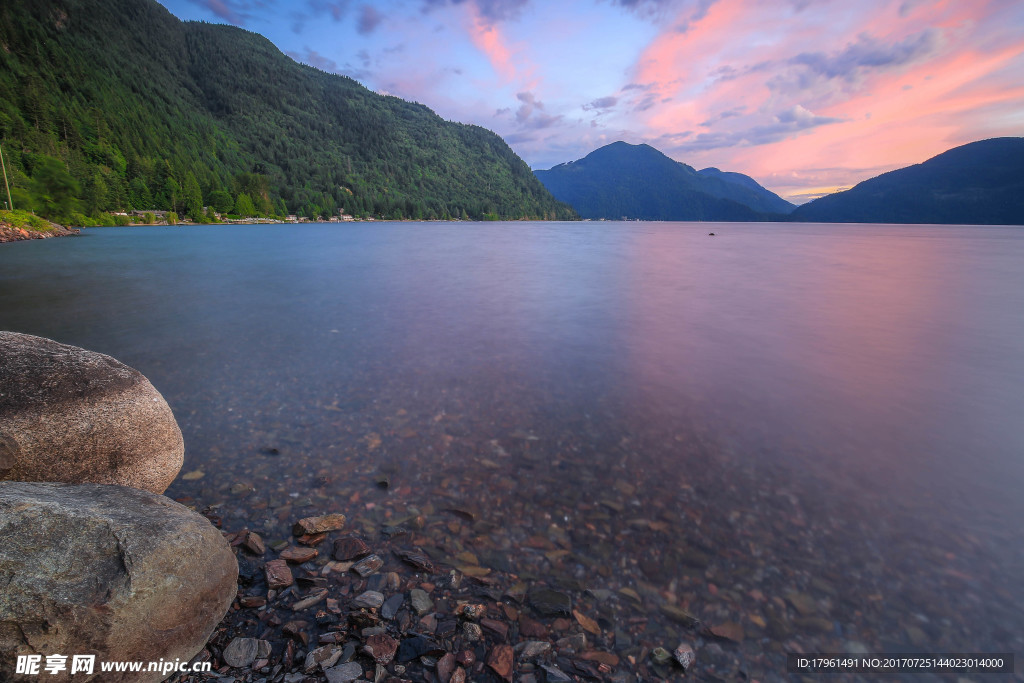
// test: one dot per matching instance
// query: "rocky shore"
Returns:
(94, 561)
(12, 233)
(342, 605)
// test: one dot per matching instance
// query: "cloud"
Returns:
(369, 20)
(315, 59)
(868, 53)
(787, 123)
(336, 8)
(601, 104)
(531, 115)
(490, 10)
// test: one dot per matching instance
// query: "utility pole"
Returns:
(10, 202)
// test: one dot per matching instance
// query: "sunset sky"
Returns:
(806, 96)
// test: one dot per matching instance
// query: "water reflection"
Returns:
(804, 431)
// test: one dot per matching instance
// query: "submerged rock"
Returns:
(75, 416)
(123, 573)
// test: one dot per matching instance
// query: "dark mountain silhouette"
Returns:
(622, 180)
(976, 184)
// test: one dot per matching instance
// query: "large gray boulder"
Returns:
(124, 574)
(71, 415)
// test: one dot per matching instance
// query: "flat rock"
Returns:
(75, 416)
(123, 573)
(311, 526)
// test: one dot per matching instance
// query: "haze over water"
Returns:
(825, 410)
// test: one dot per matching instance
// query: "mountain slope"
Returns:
(145, 111)
(637, 181)
(745, 190)
(977, 183)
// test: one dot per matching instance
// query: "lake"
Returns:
(808, 436)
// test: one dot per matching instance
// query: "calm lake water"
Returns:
(809, 436)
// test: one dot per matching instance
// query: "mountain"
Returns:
(116, 104)
(980, 183)
(745, 190)
(621, 180)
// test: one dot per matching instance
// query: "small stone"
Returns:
(730, 630)
(531, 628)
(498, 628)
(313, 599)
(532, 649)
(322, 657)
(253, 543)
(382, 648)
(466, 658)
(344, 673)
(445, 667)
(472, 632)
(684, 655)
(310, 526)
(458, 676)
(241, 652)
(679, 615)
(252, 601)
(501, 660)
(368, 565)
(299, 555)
(417, 559)
(550, 603)
(279, 575)
(350, 548)
(416, 647)
(420, 601)
(606, 658)
(555, 675)
(588, 624)
(471, 611)
(391, 606)
(369, 599)
(661, 656)
(802, 603)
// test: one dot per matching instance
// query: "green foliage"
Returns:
(25, 220)
(121, 220)
(54, 190)
(221, 201)
(172, 218)
(148, 218)
(137, 105)
(244, 206)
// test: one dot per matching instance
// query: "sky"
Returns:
(806, 96)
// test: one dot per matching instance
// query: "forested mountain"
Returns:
(745, 190)
(116, 104)
(637, 181)
(975, 184)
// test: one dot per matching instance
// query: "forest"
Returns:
(114, 106)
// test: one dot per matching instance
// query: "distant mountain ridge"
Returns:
(980, 183)
(621, 180)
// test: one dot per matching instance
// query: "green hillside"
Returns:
(116, 105)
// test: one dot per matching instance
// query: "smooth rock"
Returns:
(369, 599)
(75, 416)
(368, 565)
(123, 573)
(420, 601)
(242, 652)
